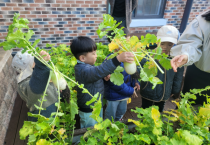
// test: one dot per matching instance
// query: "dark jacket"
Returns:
(114, 92)
(171, 85)
(130, 6)
(92, 78)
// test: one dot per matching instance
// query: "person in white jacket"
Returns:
(193, 50)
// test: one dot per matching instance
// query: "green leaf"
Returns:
(165, 63)
(73, 109)
(112, 56)
(32, 138)
(143, 137)
(8, 45)
(27, 129)
(29, 34)
(94, 99)
(96, 110)
(36, 42)
(117, 78)
(159, 50)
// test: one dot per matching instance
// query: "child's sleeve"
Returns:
(177, 81)
(39, 77)
(95, 73)
(123, 89)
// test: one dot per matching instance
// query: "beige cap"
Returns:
(168, 33)
(23, 64)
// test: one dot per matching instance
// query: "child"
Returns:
(171, 80)
(32, 83)
(117, 96)
(84, 49)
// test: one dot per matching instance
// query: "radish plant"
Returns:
(138, 48)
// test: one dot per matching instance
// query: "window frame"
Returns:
(161, 15)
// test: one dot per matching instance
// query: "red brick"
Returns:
(24, 12)
(22, 16)
(86, 19)
(38, 26)
(48, 26)
(49, 32)
(75, 5)
(66, 25)
(40, 9)
(33, 23)
(18, 8)
(173, 14)
(60, 1)
(73, 34)
(1, 16)
(53, 29)
(71, 16)
(58, 32)
(93, 19)
(146, 28)
(23, 5)
(11, 4)
(93, 37)
(85, 25)
(89, 16)
(6, 8)
(76, 25)
(41, 16)
(34, 5)
(52, 16)
(73, 28)
(55, 5)
(97, 2)
(79, 2)
(31, 26)
(84, 6)
(66, 5)
(45, 35)
(70, 2)
(62, 16)
(52, 22)
(89, 2)
(30, 9)
(93, 6)
(39, 1)
(85, 31)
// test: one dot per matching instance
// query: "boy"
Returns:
(117, 96)
(84, 49)
(32, 83)
(171, 80)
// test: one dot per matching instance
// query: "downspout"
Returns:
(186, 15)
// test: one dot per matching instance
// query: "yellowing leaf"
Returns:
(155, 115)
(177, 103)
(109, 143)
(52, 129)
(113, 46)
(205, 112)
(134, 40)
(43, 142)
(137, 123)
(61, 131)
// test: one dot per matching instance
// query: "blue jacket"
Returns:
(92, 78)
(114, 92)
(171, 84)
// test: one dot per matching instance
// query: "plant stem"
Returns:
(45, 92)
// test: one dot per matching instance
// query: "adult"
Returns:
(122, 10)
(193, 50)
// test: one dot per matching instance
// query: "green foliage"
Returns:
(137, 47)
(117, 77)
(151, 129)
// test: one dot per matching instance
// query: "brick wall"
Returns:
(54, 21)
(8, 92)
(58, 21)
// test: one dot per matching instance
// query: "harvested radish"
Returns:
(130, 68)
(61, 81)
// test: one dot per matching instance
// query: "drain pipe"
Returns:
(186, 15)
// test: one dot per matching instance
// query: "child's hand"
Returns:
(107, 78)
(137, 86)
(134, 93)
(45, 55)
(125, 57)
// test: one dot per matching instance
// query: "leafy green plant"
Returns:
(159, 129)
(138, 48)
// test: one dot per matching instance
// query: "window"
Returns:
(148, 9)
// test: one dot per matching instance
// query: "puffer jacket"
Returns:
(114, 92)
(171, 84)
(92, 78)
